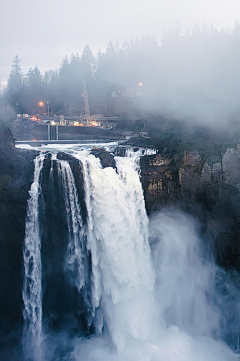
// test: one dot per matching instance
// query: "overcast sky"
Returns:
(42, 32)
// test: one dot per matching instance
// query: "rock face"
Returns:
(160, 180)
(208, 190)
(106, 158)
(16, 172)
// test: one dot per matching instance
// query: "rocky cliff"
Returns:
(16, 173)
(207, 189)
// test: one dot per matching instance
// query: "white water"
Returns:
(76, 255)
(70, 148)
(122, 274)
(157, 306)
(32, 284)
(153, 304)
(138, 152)
(188, 320)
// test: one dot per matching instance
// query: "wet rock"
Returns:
(160, 180)
(106, 158)
(208, 190)
(16, 174)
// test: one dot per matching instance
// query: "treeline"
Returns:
(113, 70)
(195, 75)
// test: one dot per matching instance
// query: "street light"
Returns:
(48, 103)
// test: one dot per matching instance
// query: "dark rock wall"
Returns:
(160, 180)
(16, 174)
(209, 190)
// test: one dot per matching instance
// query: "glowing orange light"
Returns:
(140, 84)
(40, 104)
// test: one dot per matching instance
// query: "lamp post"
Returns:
(40, 106)
(48, 105)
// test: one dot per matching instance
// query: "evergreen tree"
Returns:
(34, 79)
(88, 71)
(64, 81)
(14, 90)
(34, 90)
(52, 92)
(87, 64)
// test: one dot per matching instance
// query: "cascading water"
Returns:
(76, 252)
(122, 274)
(32, 284)
(149, 304)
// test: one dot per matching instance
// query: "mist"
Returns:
(192, 76)
(198, 75)
(196, 305)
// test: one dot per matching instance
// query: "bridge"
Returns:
(38, 143)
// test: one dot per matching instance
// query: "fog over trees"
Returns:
(194, 76)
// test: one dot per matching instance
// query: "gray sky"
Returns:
(42, 32)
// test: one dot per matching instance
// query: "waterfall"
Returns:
(32, 287)
(122, 274)
(146, 287)
(76, 250)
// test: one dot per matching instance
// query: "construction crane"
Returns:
(86, 102)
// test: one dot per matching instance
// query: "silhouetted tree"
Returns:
(34, 90)
(14, 89)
